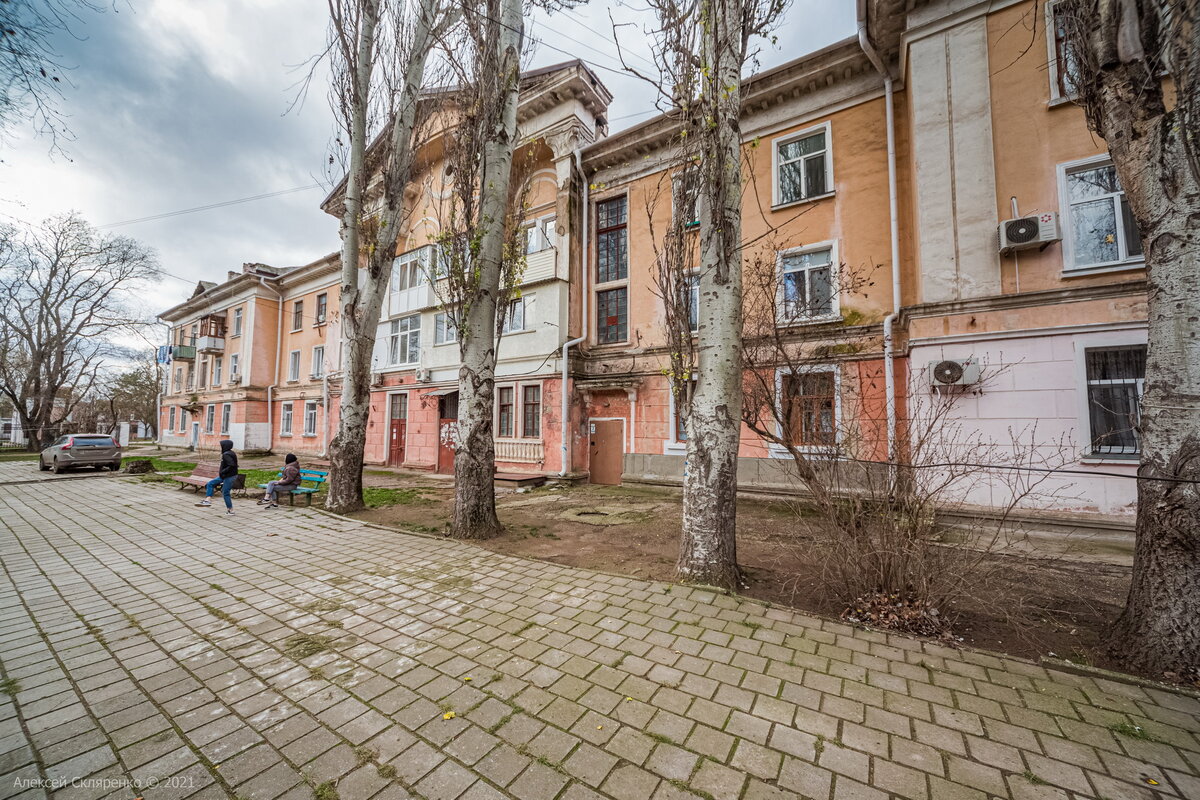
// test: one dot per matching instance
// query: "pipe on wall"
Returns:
(278, 351)
(585, 250)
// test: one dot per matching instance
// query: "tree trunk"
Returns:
(1159, 630)
(475, 454)
(346, 449)
(708, 549)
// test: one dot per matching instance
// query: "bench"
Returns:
(313, 476)
(203, 473)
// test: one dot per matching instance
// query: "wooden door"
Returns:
(397, 428)
(447, 432)
(606, 451)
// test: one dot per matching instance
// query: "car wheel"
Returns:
(115, 466)
(56, 468)
(42, 464)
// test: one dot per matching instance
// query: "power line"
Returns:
(211, 206)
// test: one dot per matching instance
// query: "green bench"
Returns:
(307, 476)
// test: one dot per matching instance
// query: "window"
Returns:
(809, 407)
(237, 322)
(294, 365)
(678, 431)
(210, 412)
(178, 378)
(445, 330)
(285, 419)
(404, 345)
(202, 373)
(226, 414)
(218, 362)
(1115, 379)
(233, 367)
(504, 411)
(318, 361)
(1063, 60)
(183, 419)
(531, 411)
(806, 285)
(310, 418)
(612, 243)
(322, 308)
(409, 270)
(539, 235)
(191, 379)
(802, 166)
(514, 319)
(1100, 227)
(685, 197)
(612, 315)
(297, 315)
(691, 286)
(171, 418)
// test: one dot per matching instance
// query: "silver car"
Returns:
(81, 450)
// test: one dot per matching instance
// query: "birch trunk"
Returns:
(475, 454)
(708, 549)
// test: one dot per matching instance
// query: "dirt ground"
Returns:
(1030, 606)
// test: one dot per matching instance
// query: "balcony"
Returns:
(406, 301)
(540, 266)
(210, 344)
(520, 451)
(183, 352)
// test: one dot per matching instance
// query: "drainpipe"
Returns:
(889, 342)
(278, 350)
(325, 407)
(585, 249)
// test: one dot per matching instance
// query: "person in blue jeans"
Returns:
(225, 478)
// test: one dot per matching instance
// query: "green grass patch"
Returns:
(10, 687)
(379, 497)
(18, 456)
(1131, 731)
(1036, 780)
(162, 464)
(302, 645)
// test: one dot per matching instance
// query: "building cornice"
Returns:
(1006, 302)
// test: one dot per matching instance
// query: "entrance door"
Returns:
(195, 438)
(447, 432)
(397, 424)
(606, 451)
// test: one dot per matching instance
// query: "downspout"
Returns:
(585, 249)
(278, 350)
(889, 342)
(325, 407)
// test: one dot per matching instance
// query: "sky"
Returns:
(176, 104)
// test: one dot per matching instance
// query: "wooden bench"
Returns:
(312, 476)
(205, 472)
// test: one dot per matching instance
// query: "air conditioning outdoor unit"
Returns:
(235, 378)
(1023, 233)
(953, 373)
(423, 375)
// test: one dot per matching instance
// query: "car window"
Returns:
(106, 441)
(58, 441)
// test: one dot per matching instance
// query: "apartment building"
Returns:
(952, 228)
(249, 360)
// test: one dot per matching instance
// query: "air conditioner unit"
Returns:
(1023, 233)
(423, 375)
(235, 378)
(953, 373)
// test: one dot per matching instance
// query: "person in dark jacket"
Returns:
(225, 478)
(289, 480)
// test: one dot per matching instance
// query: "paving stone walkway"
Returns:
(151, 648)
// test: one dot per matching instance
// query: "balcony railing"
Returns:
(183, 352)
(520, 451)
(211, 344)
(540, 265)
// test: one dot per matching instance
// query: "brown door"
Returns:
(447, 432)
(397, 425)
(606, 451)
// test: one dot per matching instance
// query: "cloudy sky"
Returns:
(185, 103)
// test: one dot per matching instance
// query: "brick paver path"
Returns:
(145, 639)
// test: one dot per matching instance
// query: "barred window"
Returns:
(1115, 380)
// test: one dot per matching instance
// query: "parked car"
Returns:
(81, 450)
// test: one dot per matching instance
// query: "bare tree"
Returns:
(32, 75)
(701, 49)
(379, 50)
(66, 294)
(1123, 58)
(482, 250)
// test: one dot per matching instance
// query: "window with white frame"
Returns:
(285, 419)
(297, 315)
(445, 329)
(1116, 377)
(514, 317)
(237, 322)
(218, 363)
(310, 418)
(1100, 229)
(691, 300)
(178, 378)
(294, 365)
(210, 412)
(234, 358)
(322, 307)
(411, 270)
(539, 235)
(808, 407)
(183, 419)
(1064, 62)
(202, 373)
(226, 417)
(404, 343)
(171, 418)
(803, 167)
(685, 197)
(806, 289)
(318, 361)
(678, 431)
